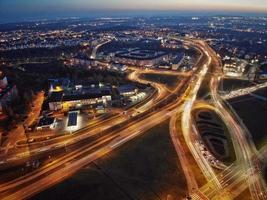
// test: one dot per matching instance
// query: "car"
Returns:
(30, 140)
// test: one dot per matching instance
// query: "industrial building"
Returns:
(127, 90)
(60, 100)
(143, 58)
(80, 94)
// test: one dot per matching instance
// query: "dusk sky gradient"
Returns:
(30, 8)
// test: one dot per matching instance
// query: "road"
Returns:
(240, 134)
(243, 143)
(93, 55)
(190, 133)
(243, 91)
(90, 144)
(162, 107)
(69, 164)
(24, 151)
(183, 156)
(231, 181)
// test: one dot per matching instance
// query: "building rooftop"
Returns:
(55, 97)
(141, 54)
(46, 121)
(61, 82)
(76, 97)
(72, 119)
(126, 88)
(91, 83)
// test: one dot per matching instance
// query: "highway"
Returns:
(233, 180)
(24, 151)
(69, 164)
(243, 91)
(95, 49)
(241, 136)
(190, 133)
(72, 152)
(242, 140)
(163, 105)
(189, 174)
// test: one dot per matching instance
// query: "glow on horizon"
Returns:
(23, 10)
(223, 5)
(231, 5)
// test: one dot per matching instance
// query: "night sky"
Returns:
(14, 10)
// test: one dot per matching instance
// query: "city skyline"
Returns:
(18, 10)
(125, 101)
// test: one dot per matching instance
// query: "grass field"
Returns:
(199, 176)
(169, 80)
(234, 84)
(145, 168)
(231, 157)
(253, 112)
(244, 195)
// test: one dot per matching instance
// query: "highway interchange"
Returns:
(72, 152)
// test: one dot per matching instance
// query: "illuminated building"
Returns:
(144, 58)
(127, 90)
(60, 100)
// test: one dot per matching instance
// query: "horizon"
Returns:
(19, 11)
(126, 13)
(138, 100)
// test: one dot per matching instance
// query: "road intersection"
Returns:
(90, 144)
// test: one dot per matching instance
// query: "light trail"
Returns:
(243, 148)
(23, 185)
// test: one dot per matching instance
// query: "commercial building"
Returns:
(235, 67)
(46, 123)
(144, 58)
(172, 44)
(117, 67)
(80, 94)
(178, 60)
(127, 90)
(86, 62)
(55, 101)
(57, 85)
(58, 100)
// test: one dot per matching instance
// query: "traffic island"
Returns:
(216, 144)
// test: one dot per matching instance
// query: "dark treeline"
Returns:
(32, 78)
(22, 54)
